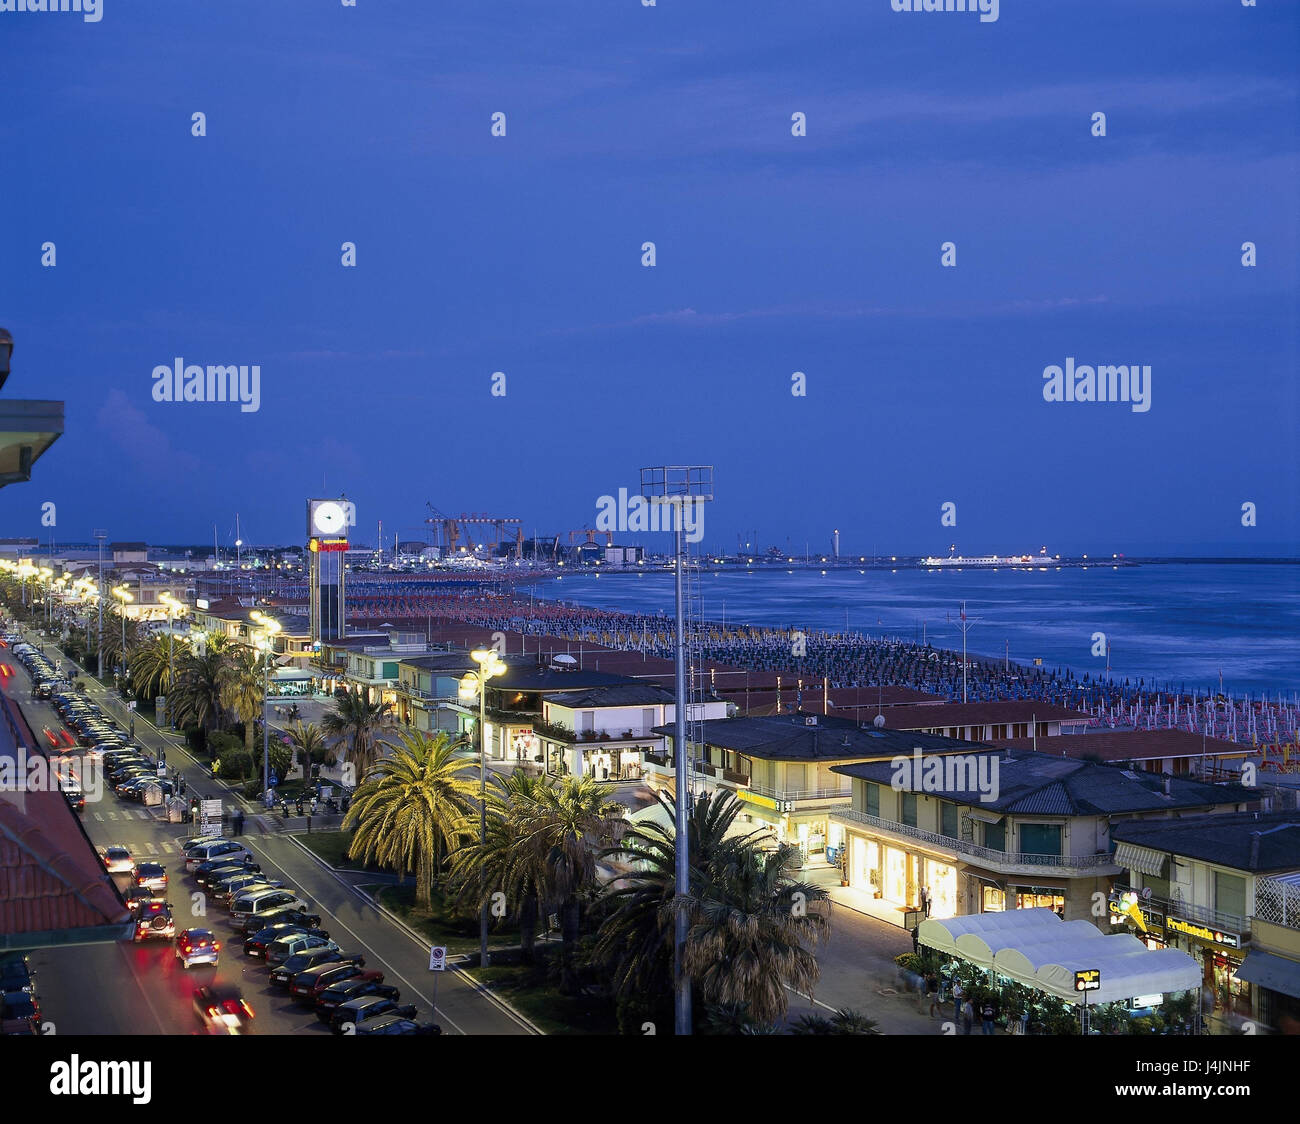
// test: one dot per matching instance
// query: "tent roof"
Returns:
(1036, 948)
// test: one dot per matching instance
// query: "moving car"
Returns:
(356, 1011)
(154, 922)
(222, 1009)
(152, 876)
(117, 860)
(21, 1007)
(197, 946)
(135, 896)
(76, 799)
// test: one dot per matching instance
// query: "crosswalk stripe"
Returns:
(142, 815)
(168, 849)
(112, 815)
(99, 817)
(153, 848)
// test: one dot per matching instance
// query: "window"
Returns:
(948, 819)
(1230, 894)
(872, 807)
(1040, 838)
(995, 836)
(907, 809)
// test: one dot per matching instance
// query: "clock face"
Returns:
(328, 518)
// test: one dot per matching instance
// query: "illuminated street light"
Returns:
(475, 682)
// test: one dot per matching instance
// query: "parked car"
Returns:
(255, 943)
(206, 852)
(226, 887)
(353, 988)
(16, 974)
(287, 973)
(222, 1009)
(310, 985)
(253, 923)
(197, 946)
(20, 1007)
(209, 873)
(187, 845)
(154, 921)
(356, 1011)
(394, 1024)
(260, 903)
(117, 860)
(280, 949)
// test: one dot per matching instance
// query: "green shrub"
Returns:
(236, 765)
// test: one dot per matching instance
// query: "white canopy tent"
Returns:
(1036, 948)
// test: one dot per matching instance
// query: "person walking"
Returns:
(925, 901)
(987, 1014)
(968, 1017)
(932, 992)
(957, 995)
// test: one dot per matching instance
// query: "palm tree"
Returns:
(561, 836)
(414, 806)
(196, 694)
(311, 745)
(636, 939)
(150, 672)
(752, 929)
(114, 653)
(241, 687)
(500, 861)
(356, 718)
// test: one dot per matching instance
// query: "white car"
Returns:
(224, 849)
(117, 860)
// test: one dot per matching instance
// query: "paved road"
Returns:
(139, 989)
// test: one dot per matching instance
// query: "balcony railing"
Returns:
(1278, 902)
(1214, 918)
(985, 854)
(831, 793)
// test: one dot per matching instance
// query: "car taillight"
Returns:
(216, 946)
(247, 1009)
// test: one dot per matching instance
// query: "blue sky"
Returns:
(776, 254)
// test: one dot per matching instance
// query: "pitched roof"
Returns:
(1042, 783)
(617, 694)
(1259, 841)
(1131, 745)
(928, 716)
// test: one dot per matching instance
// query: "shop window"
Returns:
(995, 836)
(948, 819)
(1230, 894)
(1040, 838)
(907, 808)
(872, 799)
(995, 900)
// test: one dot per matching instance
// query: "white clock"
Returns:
(328, 518)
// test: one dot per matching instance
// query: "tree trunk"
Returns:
(528, 928)
(569, 917)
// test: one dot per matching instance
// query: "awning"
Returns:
(1273, 972)
(986, 817)
(1145, 859)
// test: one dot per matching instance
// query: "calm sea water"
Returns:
(1179, 623)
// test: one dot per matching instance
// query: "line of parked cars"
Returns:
(20, 1008)
(278, 928)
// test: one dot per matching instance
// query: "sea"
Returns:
(1170, 623)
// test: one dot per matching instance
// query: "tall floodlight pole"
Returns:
(966, 623)
(99, 653)
(680, 488)
(267, 644)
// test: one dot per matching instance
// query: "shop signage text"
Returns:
(1087, 980)
(1204, 933)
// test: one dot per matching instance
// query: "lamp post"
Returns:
(489, 666)
(267, 645)
(123, 598)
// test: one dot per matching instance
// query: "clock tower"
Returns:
(327, 543)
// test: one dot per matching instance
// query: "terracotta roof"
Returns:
(928, 716)
(1131, 745)
(53, 886)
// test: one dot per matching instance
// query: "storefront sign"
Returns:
(1204, 933)
(1119, 913)
(1087, 980)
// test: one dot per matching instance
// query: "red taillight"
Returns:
(247, 1009)
(216, 946)
(213, 1012)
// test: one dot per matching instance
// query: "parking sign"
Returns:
(438, 958)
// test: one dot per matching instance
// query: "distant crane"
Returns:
(448, 530)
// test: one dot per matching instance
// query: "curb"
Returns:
(423, 942)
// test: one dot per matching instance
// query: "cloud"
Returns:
(142, 442)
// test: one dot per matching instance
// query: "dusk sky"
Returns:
(775, 254)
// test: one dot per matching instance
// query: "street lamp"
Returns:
(475, 682)
(124, 598)
(267, 645)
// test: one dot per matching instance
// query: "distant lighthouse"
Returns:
(835, 540)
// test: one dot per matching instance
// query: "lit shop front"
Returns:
(1125, 909)
(602, 761)
(1219, 953)
(821, 841)
(998, 896)
(896, 876)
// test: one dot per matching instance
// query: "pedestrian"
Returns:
(957, 996)
(968, 1017)
(932, 992)
(314, 802)
(925, 901)
(987, 1014)
(916, 941)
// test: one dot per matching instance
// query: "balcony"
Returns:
(1011, 862)
(1277, 902)
(833, 793)
(1203, 915)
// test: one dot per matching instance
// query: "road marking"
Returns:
(362, 944)
(168, 849)
(99, 817)
(112, 815)
(153, 848)
(143, 815)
